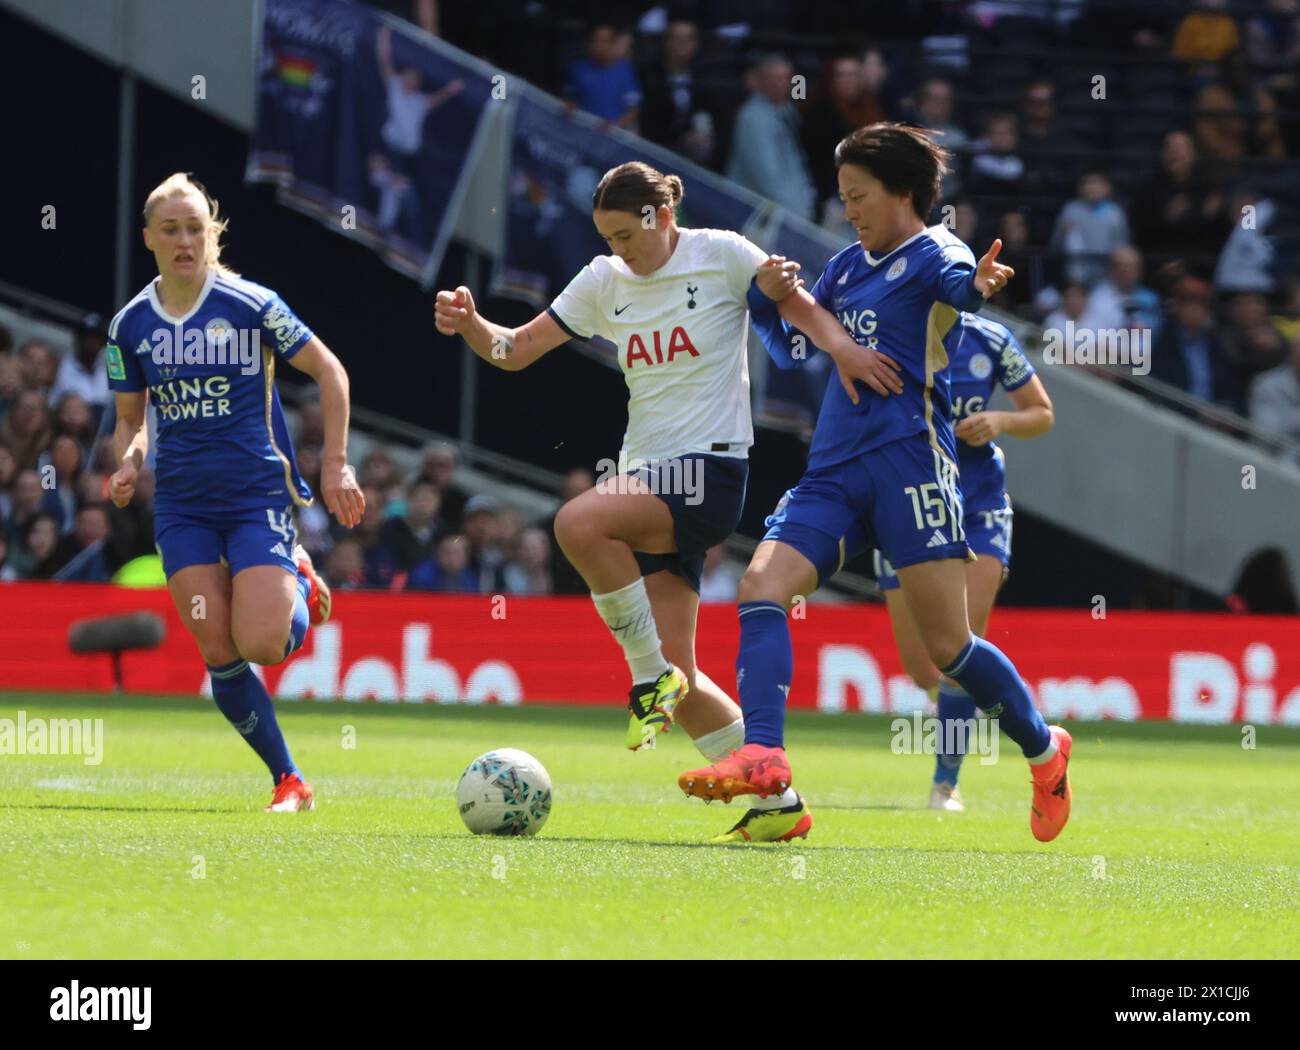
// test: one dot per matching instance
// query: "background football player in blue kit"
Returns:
(202, 344)
(987, 356)
(882, 473)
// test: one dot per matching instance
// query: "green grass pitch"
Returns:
(1182, 844)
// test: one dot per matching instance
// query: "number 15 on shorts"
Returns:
(936, 508)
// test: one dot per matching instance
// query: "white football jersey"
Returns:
(682, 335)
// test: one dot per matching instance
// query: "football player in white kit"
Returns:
(673, 302)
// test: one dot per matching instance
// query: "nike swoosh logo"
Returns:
(619, 310)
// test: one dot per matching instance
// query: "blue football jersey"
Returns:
(988, 356)
(904, 304)
(222, 441)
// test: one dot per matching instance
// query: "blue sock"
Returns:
(764, 668)
(998, 690)
(301, 620)
(243, 699)
(956, 708)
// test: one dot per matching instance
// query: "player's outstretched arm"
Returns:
(338, 482)
(1032, 417)
(130, 445)
(508, 348)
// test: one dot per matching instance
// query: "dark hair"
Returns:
(631, 186)
(905, 160)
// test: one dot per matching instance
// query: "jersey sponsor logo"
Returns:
(199, 397)
(678, 343)
(981, 366)
(859, 322)
(966, 407)
(896, 271)
(113, 359)
(282, 324)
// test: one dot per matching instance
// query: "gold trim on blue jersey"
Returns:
(268, 359)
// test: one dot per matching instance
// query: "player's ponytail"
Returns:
(633, 186)
(178, 185)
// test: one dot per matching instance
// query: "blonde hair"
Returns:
(181, 184)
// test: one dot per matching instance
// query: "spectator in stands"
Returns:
(1237, 117)
(1250, 340)
(6, 341)
(449, 571)
(765, 153)
(1015, 296)
(65, 457)
(1042, 142)
(1189, 353)
(565, 577)
(482, 533)
(842, 102)
(345, 565)
(996, 169)
(378, 566)
(677, 112)
(72, 416)
(1089, 228)
(1246, 262)
(406, 541)
(26, 429)
(1121, 301)
(1180, 211)
(935, 105)
(82, 554)
(1275, 397)
(718, 582)
(604, 83)
(1206, 34)
(11, 383)
(378, 470)
(438, 465)
(529, 570)
(40, 365)
(82, 372)
(40, 558)
(1074, 300)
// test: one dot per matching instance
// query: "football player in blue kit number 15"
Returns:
(201, 344)
(987, 357)
(882, 473)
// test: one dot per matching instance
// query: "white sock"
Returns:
(790, 798)
(720, 743)
(627, 614)
(1047, 755)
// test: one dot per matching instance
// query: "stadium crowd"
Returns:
(1138, 160)
(421, 532)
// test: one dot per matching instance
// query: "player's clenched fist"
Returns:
(454, 311)
(121, 486)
